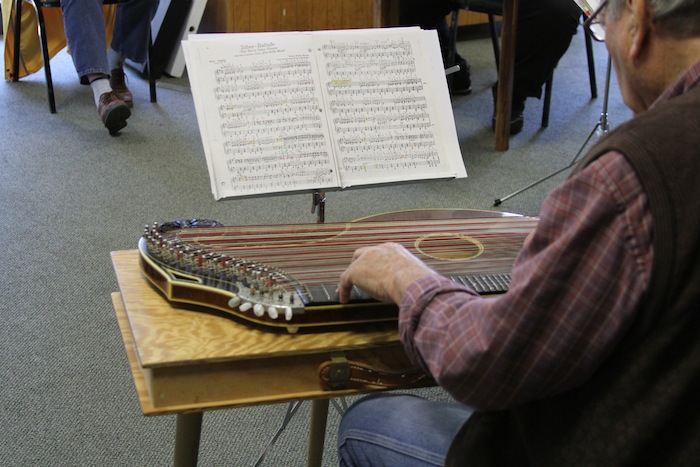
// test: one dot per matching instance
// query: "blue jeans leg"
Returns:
(84, 25)
(132, 30)
(405, 430)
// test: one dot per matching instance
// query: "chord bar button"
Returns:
(485, 283)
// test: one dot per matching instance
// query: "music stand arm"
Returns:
(319, 201)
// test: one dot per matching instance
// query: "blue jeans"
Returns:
(405, 430)
(84, 25)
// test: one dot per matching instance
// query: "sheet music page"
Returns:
(389, 108)
(292, 111)
(260, 113)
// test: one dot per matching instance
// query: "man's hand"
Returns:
(384, 271)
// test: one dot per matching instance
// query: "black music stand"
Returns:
(600, 128)
(318, 206)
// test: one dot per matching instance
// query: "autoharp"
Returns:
(286, 275)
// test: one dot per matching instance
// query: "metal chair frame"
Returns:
(38, 5)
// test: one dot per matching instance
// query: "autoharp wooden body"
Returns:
(286, 275)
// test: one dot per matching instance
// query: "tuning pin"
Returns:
(272, 311)
(258, 310)
(234, 302)
(245, 306)
(288, 314)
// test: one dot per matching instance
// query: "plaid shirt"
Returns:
(576, 286)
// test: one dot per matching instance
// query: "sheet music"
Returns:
(385, 121)
(301, 111)
(264, 116)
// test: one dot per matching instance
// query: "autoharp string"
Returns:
(315, 254)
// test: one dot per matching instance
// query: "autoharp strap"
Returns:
(341, 373)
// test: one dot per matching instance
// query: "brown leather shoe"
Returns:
(117, 80)
(113, 112)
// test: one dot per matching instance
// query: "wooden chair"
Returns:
(38, 5)
(504, 52)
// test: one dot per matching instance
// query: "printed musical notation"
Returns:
(380, 102)
(271, 121)
(295, 111)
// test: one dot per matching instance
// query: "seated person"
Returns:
(592, 357)
(545, 29)
(84, 26)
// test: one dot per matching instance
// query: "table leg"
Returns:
(187, 433)
(505, 74)
(317, 432)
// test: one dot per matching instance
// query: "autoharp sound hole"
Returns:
(449, 247)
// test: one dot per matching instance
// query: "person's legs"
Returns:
(132, 29)
(424, 13)
(84, 25)
(130, 39)
(545, 29)
(431, 15)
(402, 430)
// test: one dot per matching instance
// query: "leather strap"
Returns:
(341, 373)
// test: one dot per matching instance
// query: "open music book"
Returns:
(296, 111)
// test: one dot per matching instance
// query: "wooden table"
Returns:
(186, 361)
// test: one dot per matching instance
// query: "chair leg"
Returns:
(151, 74)
(45, 56)
(454, 24)
(591, 64)
(452, 52)
(495, 41)
(18, 29)
(547, 101)
(152, 89)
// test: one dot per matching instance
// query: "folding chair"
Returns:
(494, 8)
(38, 5)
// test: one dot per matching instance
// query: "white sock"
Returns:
(114, 59)
(99, 87)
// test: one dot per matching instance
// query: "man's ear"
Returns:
(640, 25)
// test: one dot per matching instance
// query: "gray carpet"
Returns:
(70, 194)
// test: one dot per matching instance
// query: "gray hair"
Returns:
(678, 17)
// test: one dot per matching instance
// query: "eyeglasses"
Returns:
(594, 22)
